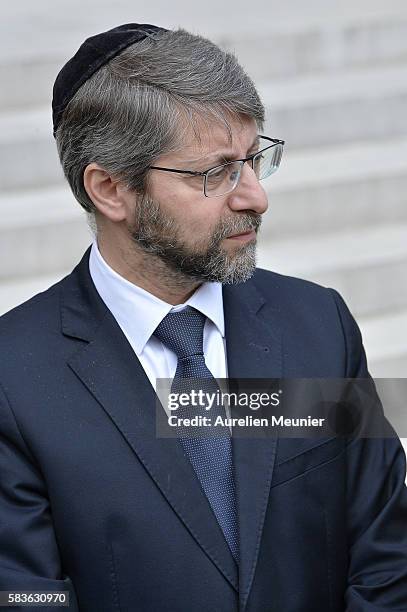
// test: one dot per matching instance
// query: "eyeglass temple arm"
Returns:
(191, 172)
(177, 171)
(275, 140)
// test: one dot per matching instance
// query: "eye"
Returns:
(218, 174)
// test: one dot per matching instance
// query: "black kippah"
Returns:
(92, 55)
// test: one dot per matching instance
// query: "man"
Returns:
(159, 135)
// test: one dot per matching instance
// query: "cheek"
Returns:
(195, 215)
(196, 222)
(202, 221)
(194, 229)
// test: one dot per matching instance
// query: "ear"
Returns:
(106, 193)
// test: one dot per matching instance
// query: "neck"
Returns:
(148, 272)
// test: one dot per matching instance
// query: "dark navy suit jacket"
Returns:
(91, 501)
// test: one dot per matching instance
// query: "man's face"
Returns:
(204, 239)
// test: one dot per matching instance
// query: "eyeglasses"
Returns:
(223, 179)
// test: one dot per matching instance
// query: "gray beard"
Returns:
(157, 234)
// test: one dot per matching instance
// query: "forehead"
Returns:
(206, 140)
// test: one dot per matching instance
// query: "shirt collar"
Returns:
(139, 312)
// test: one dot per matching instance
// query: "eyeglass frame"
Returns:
(204, 173)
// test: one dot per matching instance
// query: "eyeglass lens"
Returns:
(268, 161)
(223, 179)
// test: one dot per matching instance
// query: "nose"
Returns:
(248, 194)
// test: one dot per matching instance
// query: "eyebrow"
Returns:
(219, 156)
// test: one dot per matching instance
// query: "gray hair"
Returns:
(140, 104)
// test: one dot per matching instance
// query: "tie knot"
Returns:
(182, 332)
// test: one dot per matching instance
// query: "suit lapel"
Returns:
(108, 367)
(254, 350)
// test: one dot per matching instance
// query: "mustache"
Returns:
(244, 222)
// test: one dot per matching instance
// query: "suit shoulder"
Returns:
(272, 284)
(320, 312)
(40, 312)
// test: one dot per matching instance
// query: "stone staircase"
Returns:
(334, 82)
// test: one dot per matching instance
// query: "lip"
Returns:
(245, 236)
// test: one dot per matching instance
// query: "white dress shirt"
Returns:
(138, 313)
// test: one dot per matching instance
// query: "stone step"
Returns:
(385, 339)
(27, 150)
(349, 186)
(389, 367)
(274, 40)
(306, 113)
(325, 45)
(41, 232)
(367, 266)
(15, 292)
(345, 106)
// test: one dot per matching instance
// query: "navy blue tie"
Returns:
(210, 456)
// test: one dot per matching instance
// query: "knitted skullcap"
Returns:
(94, 53)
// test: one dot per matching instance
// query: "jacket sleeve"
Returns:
(377, 505)
(29, 556)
